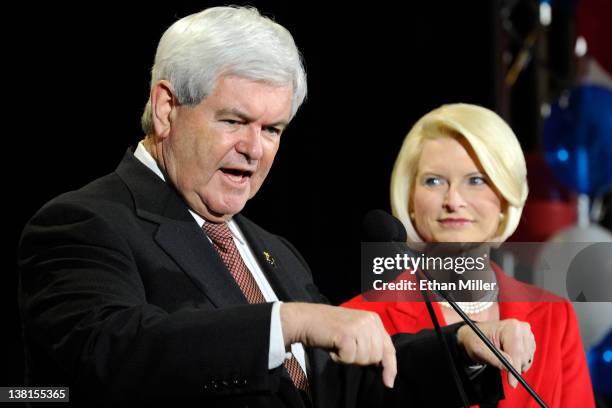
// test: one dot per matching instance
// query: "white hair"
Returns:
(196, 50)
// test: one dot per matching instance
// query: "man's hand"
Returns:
(351, 336)
(512, 337)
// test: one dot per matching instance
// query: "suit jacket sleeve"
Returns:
(424, 376)
(423, 379)
(87, 320)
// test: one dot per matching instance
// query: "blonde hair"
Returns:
(493, 142)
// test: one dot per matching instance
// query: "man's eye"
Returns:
(273, 130)
(477, 180)
(230, 121)
(433, 181)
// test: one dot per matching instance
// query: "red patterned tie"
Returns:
(223, 242)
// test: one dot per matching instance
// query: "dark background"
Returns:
(80, 79)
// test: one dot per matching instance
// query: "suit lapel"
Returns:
(178, 234)
(277, 274)
(187, 244)
(180, 237)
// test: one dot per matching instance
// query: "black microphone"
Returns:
(380, 226)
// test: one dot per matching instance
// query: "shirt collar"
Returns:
(142, 154)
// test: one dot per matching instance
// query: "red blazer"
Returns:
(559, 372)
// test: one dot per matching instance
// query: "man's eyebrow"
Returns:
(234, 112)
(245, 117)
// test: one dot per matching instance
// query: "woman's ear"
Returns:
(502, 220)
(163, 101)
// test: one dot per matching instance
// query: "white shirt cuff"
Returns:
(277, 353)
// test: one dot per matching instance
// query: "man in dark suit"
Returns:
(148, 284)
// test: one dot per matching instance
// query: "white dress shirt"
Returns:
(277, 353)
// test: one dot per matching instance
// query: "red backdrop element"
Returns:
(550, 207)
(594, 23)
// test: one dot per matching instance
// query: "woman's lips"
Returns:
(455, 223)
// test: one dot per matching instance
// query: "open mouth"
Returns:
(237, 175)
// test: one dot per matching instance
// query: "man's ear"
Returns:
(163, 101)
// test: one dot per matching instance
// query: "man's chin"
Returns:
(227, 209)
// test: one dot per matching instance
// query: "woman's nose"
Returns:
(453, 199)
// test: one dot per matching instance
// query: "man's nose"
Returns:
(453, 200)
(250, 144)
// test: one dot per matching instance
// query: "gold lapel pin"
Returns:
(269, 258)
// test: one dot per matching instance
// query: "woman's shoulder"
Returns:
(514, 290)
(528, 302)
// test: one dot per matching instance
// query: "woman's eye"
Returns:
(477, 180)
(433, 181)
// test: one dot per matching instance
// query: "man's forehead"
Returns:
(250, 99)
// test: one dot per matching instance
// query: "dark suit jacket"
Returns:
(124, 298)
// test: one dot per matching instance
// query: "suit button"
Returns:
(225, 384)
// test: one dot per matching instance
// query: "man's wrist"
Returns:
(290, 322)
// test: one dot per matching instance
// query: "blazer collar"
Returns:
(154, 199)
(529, 298)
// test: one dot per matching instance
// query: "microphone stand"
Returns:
(488, 343)
(447, 353)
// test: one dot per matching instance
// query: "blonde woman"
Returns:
(460, 176)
